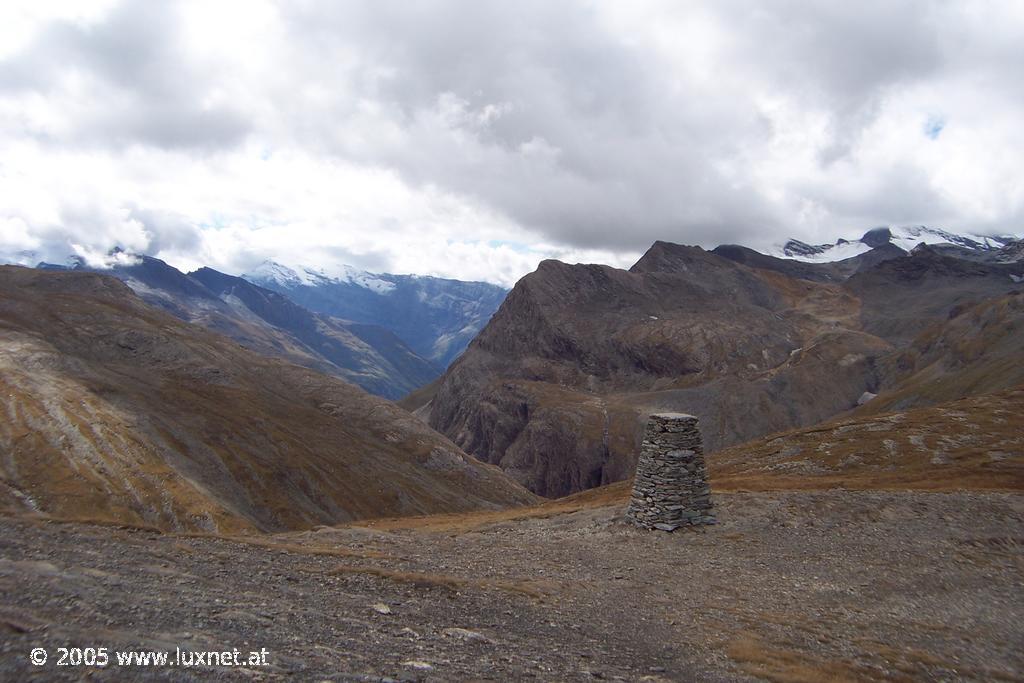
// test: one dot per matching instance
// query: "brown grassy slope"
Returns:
(973, 443)
(419, 399)
(115, 411)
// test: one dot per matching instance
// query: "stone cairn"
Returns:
(671, 487)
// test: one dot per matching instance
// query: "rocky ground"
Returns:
(792, 586)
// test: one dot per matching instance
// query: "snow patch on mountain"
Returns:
(905, 237)
(285, 276)
(366, 280)
(819, 253)
(908, 237)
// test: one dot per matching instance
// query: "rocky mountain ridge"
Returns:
(555, 388)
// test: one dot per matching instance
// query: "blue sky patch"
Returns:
(933, 126)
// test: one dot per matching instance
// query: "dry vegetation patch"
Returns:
(970, 444)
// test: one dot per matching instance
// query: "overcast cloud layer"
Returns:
(471, 139)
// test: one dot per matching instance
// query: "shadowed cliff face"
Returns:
(117, 411)
(555, 389)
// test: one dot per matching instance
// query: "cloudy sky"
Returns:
(473, 138)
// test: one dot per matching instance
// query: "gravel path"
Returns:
(788, 587)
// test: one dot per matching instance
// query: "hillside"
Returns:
(555, 389)
(120, 412)
(973, 443)
(976, 351)
(270, 323)
(367, 355)
(900, 298)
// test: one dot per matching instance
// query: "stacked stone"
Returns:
(671, 487)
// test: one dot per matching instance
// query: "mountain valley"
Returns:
(366, 354)
(199, 435)
(436, 317)
(118, 412)
(511, 342)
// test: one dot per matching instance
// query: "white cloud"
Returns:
(474, 139)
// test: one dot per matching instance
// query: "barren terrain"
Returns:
(975, 443)
(790, 586)
(113, 410)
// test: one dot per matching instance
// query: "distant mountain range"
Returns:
(392, 334)
(436, 317)
(122, 411)
(360, 341)
(905, 237)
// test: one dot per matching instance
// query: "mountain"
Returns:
(1011, 252)
(905, 238)
(436, 317)
(824, 271)
(265, 321)
(900, 298)
(367, 355)
(118, 411)
(555, 389)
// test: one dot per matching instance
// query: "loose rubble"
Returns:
(828, 585)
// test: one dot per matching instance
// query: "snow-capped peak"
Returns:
(271, 271)
(370, 281)
(285, 276)
(908, 237)
(818, 253)
(904, 237)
